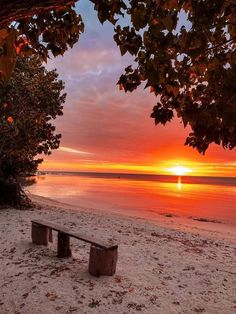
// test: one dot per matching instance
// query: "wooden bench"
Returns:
(103, 256)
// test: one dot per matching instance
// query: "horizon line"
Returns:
(134, 173)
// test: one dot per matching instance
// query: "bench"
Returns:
(103, 256)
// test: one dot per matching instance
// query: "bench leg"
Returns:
(40, 234)
(50, 238)
(102, 262)
(63, 245)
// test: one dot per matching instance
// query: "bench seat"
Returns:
(103, 255)
(78, 236)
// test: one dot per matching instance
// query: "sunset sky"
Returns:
(104, 129)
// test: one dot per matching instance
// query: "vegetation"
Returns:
(29, 101)
(184, 51)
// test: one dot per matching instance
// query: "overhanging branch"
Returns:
(17, 9)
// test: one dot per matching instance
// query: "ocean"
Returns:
(141, 195)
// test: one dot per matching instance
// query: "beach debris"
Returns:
(202, 219)
(25, 295)
(153, 299)
(199, 310)
(189, 268)
(117, 279)
(52, 296)
(22, 305)
(176, 302)
(72, 309)
(169, 215)
(94, 303)
(58, 270)
(137, 307)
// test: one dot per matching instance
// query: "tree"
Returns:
(190, 65)
(29, 101)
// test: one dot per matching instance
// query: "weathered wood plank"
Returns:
(79, 236)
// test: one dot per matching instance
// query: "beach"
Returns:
(168, 265)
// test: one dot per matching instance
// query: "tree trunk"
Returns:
(9, 193)
(16, 10)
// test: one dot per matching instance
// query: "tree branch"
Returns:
(17, 9)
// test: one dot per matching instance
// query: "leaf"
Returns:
(49, 36)
(168, 22)
(139, 17)
(3, 33)
(173, 89)
(121, 87)
(152, 89)
(123, 49)
(8, 59)
(10, 120)
(171, 4)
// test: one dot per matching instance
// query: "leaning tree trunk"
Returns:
(16, 10)
(12, 194)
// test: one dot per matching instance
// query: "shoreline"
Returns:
(142, 198)
(169, 265)
(161, 218)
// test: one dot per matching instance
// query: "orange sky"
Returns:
(104, 129)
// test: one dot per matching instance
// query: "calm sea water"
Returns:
(143, 195)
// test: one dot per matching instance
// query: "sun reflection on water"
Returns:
(141, 197)
(179, 184)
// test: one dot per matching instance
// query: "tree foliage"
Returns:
(17, 9)
(41, 34)
(184, 51)
(28, 102)
(190, 66)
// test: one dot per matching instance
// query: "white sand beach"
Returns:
(170, 265)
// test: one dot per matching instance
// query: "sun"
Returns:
(180, 170)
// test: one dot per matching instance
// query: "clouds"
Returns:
(73, 151)
(111, 126)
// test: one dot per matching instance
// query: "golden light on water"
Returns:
(179, 184)
(179, 170)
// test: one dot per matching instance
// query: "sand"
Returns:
(170, 265)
